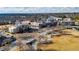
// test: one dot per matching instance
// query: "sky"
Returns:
(38, 9)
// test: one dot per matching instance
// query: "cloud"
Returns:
(38, 9)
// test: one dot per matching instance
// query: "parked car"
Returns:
(6, 40)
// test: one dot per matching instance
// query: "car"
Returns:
(6, 40)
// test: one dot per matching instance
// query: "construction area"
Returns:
(51, 34)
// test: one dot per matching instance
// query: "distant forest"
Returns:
(11, 18)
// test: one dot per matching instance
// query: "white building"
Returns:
(13, 29)
(54, 18)
(34, 25)
(67, 20)
(26, 22)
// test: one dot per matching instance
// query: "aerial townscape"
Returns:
(39, 31)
